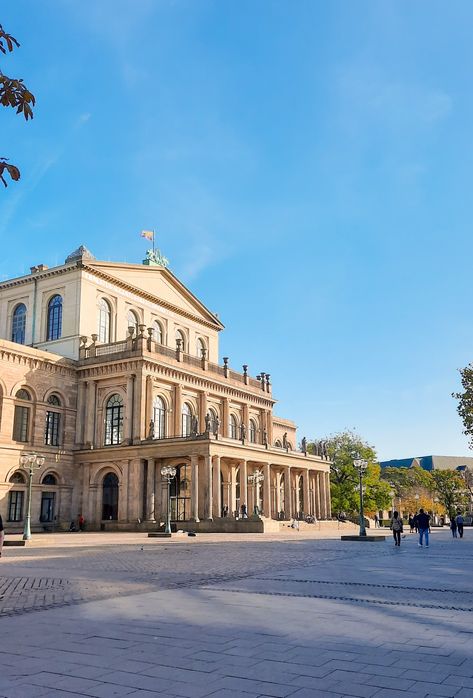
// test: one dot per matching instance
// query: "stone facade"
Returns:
(113, 373)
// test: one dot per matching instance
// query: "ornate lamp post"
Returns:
(30, 462)
(256, 479)
(169, 473)
(361, 465)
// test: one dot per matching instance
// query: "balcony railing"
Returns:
(142, 343)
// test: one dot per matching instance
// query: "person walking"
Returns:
(376, 521)
(396, 527)
(460, 522)
(2, 535)
(416, 516)
(411, 523)
(423, 525)
(81, 523)
(453, 526)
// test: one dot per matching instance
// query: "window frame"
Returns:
(14, 329)
(17, 506)
(186, 419)
(54, 318)
(104, 320)
(114, 420)
(159, 417)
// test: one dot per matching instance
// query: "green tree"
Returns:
(450, 488)
(13, 93)
(344, 478)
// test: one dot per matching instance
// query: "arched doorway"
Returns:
(110, 497)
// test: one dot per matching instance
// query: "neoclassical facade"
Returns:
(111, 372)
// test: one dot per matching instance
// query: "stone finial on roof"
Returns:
(81, 254)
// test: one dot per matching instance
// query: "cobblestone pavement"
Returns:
(306, 618)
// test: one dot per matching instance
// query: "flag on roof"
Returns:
(148, 234)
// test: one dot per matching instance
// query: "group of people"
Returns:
(420, 523)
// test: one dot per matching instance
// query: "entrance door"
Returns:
(110, 498)
(47, 507)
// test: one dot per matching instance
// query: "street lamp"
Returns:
(361, 465)
(30, 462)
(169, 473)
(256, 479)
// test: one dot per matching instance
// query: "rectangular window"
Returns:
(15, 505)
(51, 434)
(21, 423)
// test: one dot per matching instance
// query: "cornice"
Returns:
(47, 273)
(13, 355)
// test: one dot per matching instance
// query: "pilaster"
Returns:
(217, 489)
(267, 490)
(195, 487)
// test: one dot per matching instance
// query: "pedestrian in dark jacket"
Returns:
(423, 524)
(453, 527)
(411, 523)
(460, 522)
(396, 527)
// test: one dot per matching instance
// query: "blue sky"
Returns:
(307, 167)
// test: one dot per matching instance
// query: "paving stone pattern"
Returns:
(300, 618)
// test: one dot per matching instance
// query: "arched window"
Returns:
(158, 332)
(278, 444)
(133, 321)
(201, 348)
(253, 431)
(186, 420)
(104, 315)
(21, 420)
(54, 327)
(49, 479)
(214, 423)
(17, 479)
(233, 427)
(18, 326)
(159, 417)
(53, 423)
(180, 336)
(110, 497)
(114, 421)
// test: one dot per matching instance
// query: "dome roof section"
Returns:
(81, 254)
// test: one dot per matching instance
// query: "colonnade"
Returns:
(208, 487)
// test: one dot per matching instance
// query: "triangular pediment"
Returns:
(160, 284)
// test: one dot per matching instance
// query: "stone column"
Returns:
(150, 491)
(269, 426)
(328, 501)
(177, 407)
(244, 485)
(217, 489)
(85, 491)
(323, 496)
(90, 412)
(318, 508)
(129, 408)
(158, 505)
(278, 493)
(305, 485)
(134, 490)
(208, 489)
(138, 409)
(195, 488)
(287, 492)
(149, 403)
(232, 489)
(245, 419)
(225, 416)
(81, 388)
(202, 410)
(267, 490)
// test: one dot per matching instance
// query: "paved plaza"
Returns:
(293, 614)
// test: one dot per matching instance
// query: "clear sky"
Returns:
(307, 166)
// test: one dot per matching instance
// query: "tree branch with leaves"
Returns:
(15, 94)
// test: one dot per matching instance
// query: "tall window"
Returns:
(53, 421)
(133, 321)
(201, 348)
(186, 420)
(19, 324)
(159, 417)
(21, 420)
(54, 330)
(110, 497)
(213, 420)
(233, 427)
(15, 505)
(180, 335)
(252, 431)
(114, 421)
(157, 332)
(104, 314)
